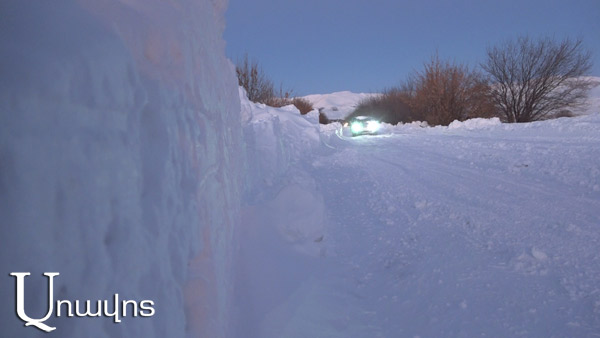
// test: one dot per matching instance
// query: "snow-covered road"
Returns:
(491, 231)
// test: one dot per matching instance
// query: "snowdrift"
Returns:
(278, 142)
(282, 234)
(120, 162)
(276, 138)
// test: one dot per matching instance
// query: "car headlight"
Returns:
(372, 126)
(356, 127)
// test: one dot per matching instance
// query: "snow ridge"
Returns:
(120, 162)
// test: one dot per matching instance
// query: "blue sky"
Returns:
(323, 46)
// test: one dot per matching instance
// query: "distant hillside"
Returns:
(337, 105)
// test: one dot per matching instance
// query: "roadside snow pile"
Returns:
(337, 105)
(276, 139)
(283, 217)
(477, 123)
(283, 214)
(327, 129)
(120, 163)
(422, 126)
(584, 127)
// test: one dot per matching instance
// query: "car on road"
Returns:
(360, 125)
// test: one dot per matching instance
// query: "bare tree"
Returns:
(445, 91)
(257, 85)
(260, 88)
(533, 79)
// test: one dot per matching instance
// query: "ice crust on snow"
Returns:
(120, 162)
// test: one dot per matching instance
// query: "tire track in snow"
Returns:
(456, 243)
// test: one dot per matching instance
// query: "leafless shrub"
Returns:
(284, 99)
(276, 101)
(532, 80)
(252, 78)
(260, 88)
(390, 107)
(323, 118)
(445, 91)
(303, 105)
(439, 94)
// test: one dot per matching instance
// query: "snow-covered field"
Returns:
(476, 229)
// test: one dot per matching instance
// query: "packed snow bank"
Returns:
(120, 163)
(282, 232)
(477, 123)
(276, 139)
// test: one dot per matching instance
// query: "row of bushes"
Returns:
(260, 88)
(439, 94)
(521, 81)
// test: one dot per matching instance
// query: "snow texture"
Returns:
(120, 166)
(475, 229)
(276, 139)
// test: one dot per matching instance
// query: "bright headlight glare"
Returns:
(356, 127)
(372, 126)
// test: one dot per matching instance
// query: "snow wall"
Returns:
(121, 155)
